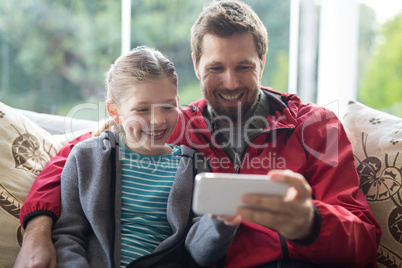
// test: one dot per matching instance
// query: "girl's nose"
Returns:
(157, 117)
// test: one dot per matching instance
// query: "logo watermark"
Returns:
(318, 134)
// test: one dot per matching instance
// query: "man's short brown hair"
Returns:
(224, 19)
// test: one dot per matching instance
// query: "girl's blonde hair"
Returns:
(141, 64)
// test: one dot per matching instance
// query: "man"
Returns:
(241, 127)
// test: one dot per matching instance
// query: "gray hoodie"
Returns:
(87, 233)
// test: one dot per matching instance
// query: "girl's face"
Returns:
(149, 114)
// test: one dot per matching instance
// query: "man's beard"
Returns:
(238, 114)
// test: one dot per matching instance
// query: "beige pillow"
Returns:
(25, 149)
(376, 139)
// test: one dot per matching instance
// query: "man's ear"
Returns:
(262, 65)
(195, 66)
(112, 111)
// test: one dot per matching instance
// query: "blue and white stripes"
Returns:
(146, 183)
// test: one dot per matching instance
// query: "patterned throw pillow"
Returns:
(376, 139)
(25, 149)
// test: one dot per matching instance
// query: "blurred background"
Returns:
(54, 53)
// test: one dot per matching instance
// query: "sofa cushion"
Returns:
(60, 125)
(25, 149)
(376, 139)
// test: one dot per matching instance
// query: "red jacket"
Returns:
(44, 196)
(304, 138)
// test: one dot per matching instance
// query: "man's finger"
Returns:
(293, 179)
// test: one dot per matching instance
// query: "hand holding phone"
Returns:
(220, 193)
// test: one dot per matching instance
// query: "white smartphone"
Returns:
(220, 193)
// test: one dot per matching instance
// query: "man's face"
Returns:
(229, 71)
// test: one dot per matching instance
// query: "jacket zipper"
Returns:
(237, 164)
(133, 263)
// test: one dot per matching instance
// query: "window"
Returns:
(54, 53)
(351, 50)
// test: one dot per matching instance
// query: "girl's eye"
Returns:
(142, 110)
(169, 107)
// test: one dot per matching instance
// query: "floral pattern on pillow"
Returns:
(29, 153)
(12, 206)
(25, 149)
(376, 139)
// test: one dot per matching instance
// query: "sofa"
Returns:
(28, 140)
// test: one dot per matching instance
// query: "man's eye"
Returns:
(170, 107)
(216, 69)
(244, 68)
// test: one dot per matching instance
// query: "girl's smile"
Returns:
(149, 115)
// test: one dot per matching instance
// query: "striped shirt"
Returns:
(146, 183)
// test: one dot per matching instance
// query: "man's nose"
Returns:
(230, 80)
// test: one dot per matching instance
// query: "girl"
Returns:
(126, 195)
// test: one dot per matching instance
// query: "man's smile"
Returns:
(231, 97)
